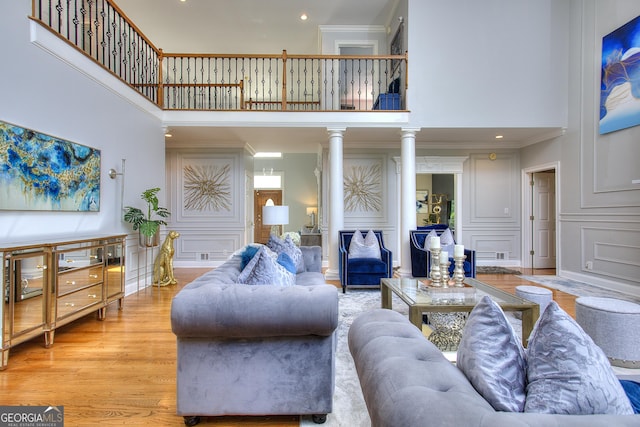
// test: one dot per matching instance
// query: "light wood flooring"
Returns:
(122, 370)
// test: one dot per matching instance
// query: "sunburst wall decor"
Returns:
(207, 188)
(362, 188)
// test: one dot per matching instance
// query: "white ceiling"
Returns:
(248, 26)
(268, 27)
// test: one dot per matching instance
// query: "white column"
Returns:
(407, 199)
(336, 200)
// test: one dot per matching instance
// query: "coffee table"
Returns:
(422, 298)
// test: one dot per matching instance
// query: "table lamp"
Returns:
(275, 216)
(312, 212)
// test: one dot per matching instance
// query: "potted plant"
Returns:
(147, 225)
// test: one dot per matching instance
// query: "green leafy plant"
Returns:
(147, 224)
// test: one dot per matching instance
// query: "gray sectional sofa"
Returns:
(406, 381)
(256, 349)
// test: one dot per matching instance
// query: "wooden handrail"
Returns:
(134, 26)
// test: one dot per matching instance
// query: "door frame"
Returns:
(527, 224)
(277, 195)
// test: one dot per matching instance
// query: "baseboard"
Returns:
(507, 263)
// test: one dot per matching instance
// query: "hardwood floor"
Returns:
(122, 370)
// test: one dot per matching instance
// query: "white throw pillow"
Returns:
(427, 240)
(446, 242)
(567, 372)
(492, 358)
(364, 247)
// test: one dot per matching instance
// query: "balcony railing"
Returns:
(177, 81)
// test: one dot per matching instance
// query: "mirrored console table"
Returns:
(49, 283)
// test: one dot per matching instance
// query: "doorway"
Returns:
(261, 232)
(435, 199)
(540, 199)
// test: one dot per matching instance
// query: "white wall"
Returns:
(42, 93)
(491, 63)
(599, 207)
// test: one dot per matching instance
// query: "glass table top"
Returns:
(417, 291)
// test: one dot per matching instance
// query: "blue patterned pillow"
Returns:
(247, 254)
(286, 261)
(289, 247)
(264, 270)
(492, 358)
(567, 372)
(632, 389)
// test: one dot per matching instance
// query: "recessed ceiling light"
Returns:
(267, 154)
(499, 136)
(304, 17)
(168, 135)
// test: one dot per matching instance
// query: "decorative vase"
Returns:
(150, 241)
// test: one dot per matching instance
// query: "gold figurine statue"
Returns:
(163, 267)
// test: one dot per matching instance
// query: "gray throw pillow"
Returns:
(263, 269)
(287, 246)
(567, 372)
(492, 358)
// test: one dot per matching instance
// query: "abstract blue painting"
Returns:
(620, 78)
(41, 172)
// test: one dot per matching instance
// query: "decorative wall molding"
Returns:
(611, 252)
(494, 189)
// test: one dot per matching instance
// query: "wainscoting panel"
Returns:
(611, 252)
(495, 248)
(494, 189)
(207, 189)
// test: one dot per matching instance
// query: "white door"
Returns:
(544, 220)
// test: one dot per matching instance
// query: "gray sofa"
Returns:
(406, 381)
(256, 350)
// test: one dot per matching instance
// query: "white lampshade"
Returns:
(275, 215)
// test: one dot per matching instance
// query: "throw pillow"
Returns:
(567, 372)
(446, 242)
(287, 246)
(264, 270)
(286, 261)
(632, 389)
(492, 358)
(247, 254)
(364, 247)
(427, 240)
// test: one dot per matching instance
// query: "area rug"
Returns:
(349, 408)
(579, 289)
(488, 269)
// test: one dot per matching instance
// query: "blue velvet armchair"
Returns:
(363, 271)
(421, 257)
